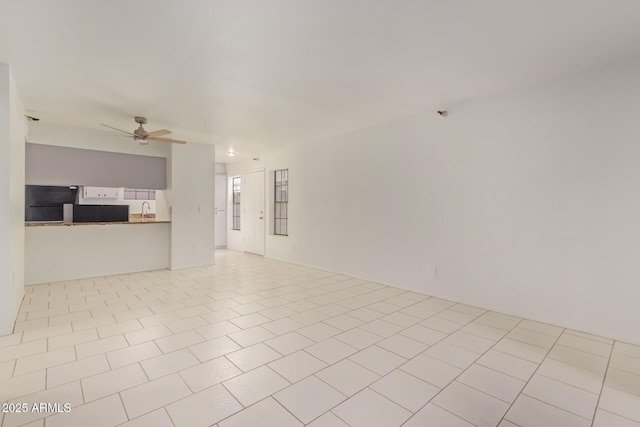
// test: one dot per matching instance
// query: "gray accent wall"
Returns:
(55, 165)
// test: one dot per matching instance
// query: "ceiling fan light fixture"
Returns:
(141, 140)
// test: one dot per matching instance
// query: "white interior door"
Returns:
(221, 211)
(253, 212)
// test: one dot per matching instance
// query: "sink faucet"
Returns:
(148, 205)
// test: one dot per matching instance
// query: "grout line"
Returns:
(532, 375)
(604, 378)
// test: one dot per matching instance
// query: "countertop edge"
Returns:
(75, 224)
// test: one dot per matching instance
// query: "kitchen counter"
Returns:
(57, 252)
(68, 224)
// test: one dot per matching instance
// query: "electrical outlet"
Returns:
(431, 271)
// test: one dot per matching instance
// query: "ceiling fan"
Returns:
(142, 137)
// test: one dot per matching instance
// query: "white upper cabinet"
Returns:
(100, 192)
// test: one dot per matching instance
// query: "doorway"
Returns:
(253, 212)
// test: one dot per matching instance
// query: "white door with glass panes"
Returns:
(221, 211)
(253, 212)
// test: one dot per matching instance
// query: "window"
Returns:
(236, 202)
(281, 214)
(139, 194)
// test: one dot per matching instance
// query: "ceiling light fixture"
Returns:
(231, 153)
(140, 140)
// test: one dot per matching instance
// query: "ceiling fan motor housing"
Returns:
(140, 132)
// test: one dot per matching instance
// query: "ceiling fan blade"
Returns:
(160, 132)
(175, 141)
(119, 130)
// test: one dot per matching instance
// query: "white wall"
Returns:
(59, 253)
(12, 149)
(526, 202)
(191, 199)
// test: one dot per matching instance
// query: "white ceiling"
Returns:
(253, 74)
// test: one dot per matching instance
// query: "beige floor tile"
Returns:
(255, 385)
(169, 363)
(405, 390)
(452, 355)
(181, 325)
(527, 411)
(147, 334)
(252, 357)
(542, 328)
(469, 341)
(51, 331)
(563, 396)
(507, 364)
(328, 420)
(585, 344)
(358, 338)
(104, 412)
(267, 413)
(101, 385)
(432, 415)
(422, 334)
(22, 385)
(368, 409)
(157, 418)
(209, 373)
(484, 331)
(573, 375)
(118, 328)
(497, 320)
(101, 346)
(214, 348)
(472, 405)
(6, 369)
(153, 395)
(579, 358)
(18, 351)
(296, 398)
(77, 370)
(10, 340)
(625, 363)
(347, 377)
(318, 332)
(624, 381)
(219, 404)
(521, 349)
(627, 349)
(608, 419)
(175, 342)
(133, 354)
(44, 360)
(69, 393)
(331, 350)
(73, 338)
(297, 366)
(289, 343)
(493, 383)
(531, 337)
(431, 370)
(251, 336)
(378, 360)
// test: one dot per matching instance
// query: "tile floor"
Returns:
(257, 342)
